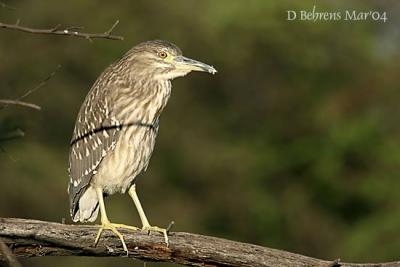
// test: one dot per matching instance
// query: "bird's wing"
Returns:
(95, 135)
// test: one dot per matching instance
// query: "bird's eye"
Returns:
(162, 54)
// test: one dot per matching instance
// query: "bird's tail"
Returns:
(88, 207)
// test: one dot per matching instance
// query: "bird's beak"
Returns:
(188, 64)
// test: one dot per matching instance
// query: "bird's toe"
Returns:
(113, 227)
(163, 231)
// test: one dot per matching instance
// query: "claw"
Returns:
(113, 227)
(150, 228)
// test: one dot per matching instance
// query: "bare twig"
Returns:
(4, 5)
(7, 102)
(31, 238)
(68, 31)
(19, 102)
(40, 85)
(17, 133)
(8, 256)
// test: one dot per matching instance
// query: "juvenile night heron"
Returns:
(116, 128)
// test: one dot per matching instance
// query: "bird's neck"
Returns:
(143, 101)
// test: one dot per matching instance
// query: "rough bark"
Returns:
(32, 238)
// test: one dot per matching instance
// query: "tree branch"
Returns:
(71, 31)
(32, 238)
(19, 102)
(40, 85)
(7, 102)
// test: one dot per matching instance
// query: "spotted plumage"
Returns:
(117, 125)
(95, 135)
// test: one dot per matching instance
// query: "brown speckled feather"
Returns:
(117, 125)
(96, 133)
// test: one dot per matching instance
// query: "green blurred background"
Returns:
(294, 144)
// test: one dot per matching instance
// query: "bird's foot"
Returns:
(127, 227)
(113, 227)
(163, 231)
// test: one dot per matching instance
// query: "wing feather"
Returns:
(94, 136)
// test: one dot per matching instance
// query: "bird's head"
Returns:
(164, 61)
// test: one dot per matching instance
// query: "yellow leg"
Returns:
(142, 215)
(107, 225)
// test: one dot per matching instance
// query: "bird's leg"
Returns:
(107, 225)
(142, 215)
